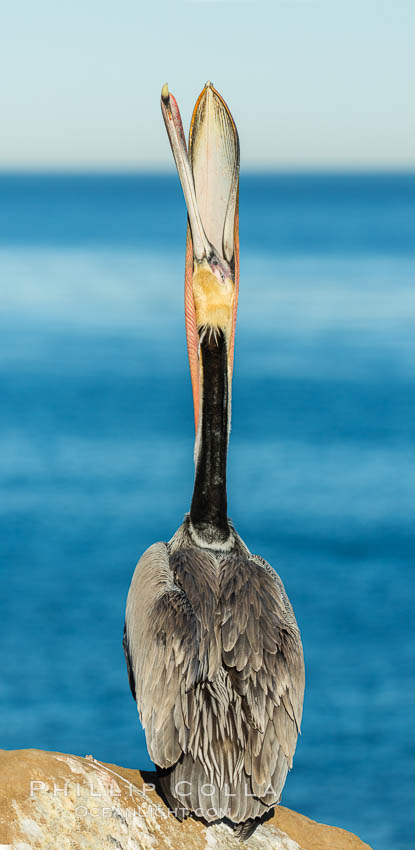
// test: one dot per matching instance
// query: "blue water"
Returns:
(96, 459)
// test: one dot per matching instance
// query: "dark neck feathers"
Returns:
(208, 512)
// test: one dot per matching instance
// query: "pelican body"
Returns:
(212, 646)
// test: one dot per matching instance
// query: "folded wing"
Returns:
(263, 655)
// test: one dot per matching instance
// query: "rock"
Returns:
(52, 801)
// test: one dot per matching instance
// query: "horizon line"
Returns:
(145, 171)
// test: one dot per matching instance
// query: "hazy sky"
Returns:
(311, 83)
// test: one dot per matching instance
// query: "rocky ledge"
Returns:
(53, 801)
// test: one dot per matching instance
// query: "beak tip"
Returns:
(165, 93)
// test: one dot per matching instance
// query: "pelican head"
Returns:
(209, 175)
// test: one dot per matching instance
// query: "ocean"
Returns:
(96, 460)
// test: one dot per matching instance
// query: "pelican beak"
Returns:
(174, 127)
(214, 159)
(209, 175)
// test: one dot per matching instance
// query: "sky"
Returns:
(312, 84)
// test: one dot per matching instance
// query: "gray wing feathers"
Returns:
(262, 652)
(163, 641)
(215, 655)
(172, 644)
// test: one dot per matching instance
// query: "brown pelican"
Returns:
(213, 649)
